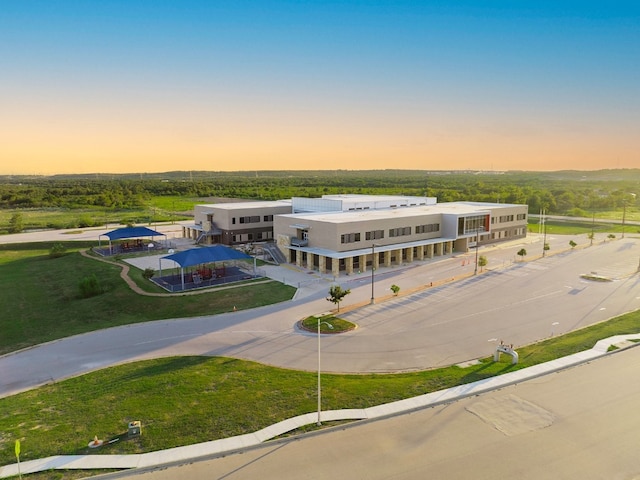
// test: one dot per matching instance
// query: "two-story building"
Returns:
(351, 233)
(235, 223)
(389, 232)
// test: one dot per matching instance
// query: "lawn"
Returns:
(40, 297)
(577, 227)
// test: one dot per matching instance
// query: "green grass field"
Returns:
(158, 209)
(40, 298)
(586, 227)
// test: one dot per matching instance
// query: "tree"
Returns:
(336, 294)
(15, 223)
(90, 286)
(395, 289)
(572, 244)
(482, 262)
(522, 252)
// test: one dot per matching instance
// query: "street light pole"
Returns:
(319, 387)
(475, 272)
(544, 233)
(624, 213)
(373, 263)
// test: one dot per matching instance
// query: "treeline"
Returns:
(567, 192)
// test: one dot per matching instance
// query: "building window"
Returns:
(374, 235)
(268, 218)
(399, 232)
(431, 227)
(233, 220)
(350, 238)
(474, 224)
(252, 219)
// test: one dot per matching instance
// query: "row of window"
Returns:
(350, 238)
(393, 232)
(252, 219)
(431, 227)
(374, 235)
(399, 232)
(250, 237)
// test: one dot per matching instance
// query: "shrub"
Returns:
(57, 250)
(15, 223)
(90, 286)
(148, 273)
(85, 221)
(577, 212)
(395, 289)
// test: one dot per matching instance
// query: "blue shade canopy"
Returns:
(132, 232)
(197, 256)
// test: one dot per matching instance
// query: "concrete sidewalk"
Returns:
(233, 444)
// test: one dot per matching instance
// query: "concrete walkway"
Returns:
(233, 444)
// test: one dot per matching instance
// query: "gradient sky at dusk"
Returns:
(146, 86)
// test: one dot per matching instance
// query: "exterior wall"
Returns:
(328, 235)
(507, 223)
(237, 221)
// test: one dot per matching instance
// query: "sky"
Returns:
(116, 86)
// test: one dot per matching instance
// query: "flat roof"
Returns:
(457, 208)
(371, 198)
(245, 205)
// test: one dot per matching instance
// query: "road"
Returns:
(443, 325)
(580, 423)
